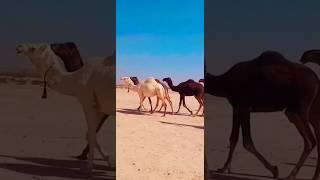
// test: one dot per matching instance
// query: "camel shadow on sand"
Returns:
(241, 176)
(133, 111)
(305, 164)
(56, 168)
(136, 112)
(185, 125)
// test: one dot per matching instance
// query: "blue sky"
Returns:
(160, 39)
(90, 25)
(241, 30)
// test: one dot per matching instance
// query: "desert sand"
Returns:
(151, 147)
(274, 136)
(39, 137)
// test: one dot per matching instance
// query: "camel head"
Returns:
(166, 79)
(36, 52)
(311, 56)
(127, 81)
(123, 78)
(30, 49)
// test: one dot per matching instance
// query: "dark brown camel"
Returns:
(188, 88)
(268, 83)
(313, 56)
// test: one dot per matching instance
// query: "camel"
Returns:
(93, 85)
(268, 83)
(131, 83)
(167, 96)
(166, 88)
(149, 88)
(313, 56)
(188, 88)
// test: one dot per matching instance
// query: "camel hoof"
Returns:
(107, 159)
(275, 171)
(224, 169)
(81, 157)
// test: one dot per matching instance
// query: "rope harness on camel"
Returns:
(44, 93)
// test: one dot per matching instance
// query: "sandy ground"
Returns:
(151, 147)
(274, 136)
(39, 137)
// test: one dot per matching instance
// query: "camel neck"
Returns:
(134, 87)
(66, 82)
(172, 87)
(214, 85)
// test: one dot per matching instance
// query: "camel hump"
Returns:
(271, 57)
(110, 60)
(190, 81)
(69, 54)
(150, 80)
(312, 55)
(134, 80)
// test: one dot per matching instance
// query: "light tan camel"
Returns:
(93, 85)
(149, 88)
(134, 87)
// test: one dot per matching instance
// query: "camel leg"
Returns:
(200, 104)
(184, 105)
(92, 117)
(83, 155)
(249, 146)
(179, 104)
(170, 102)
(316, 127)
(104, 156)
(233, 140)
(202, 100)
(157, 104)
(141, 103)
(150, 103)
(165, 106)
(160, 107)
(308, 139)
